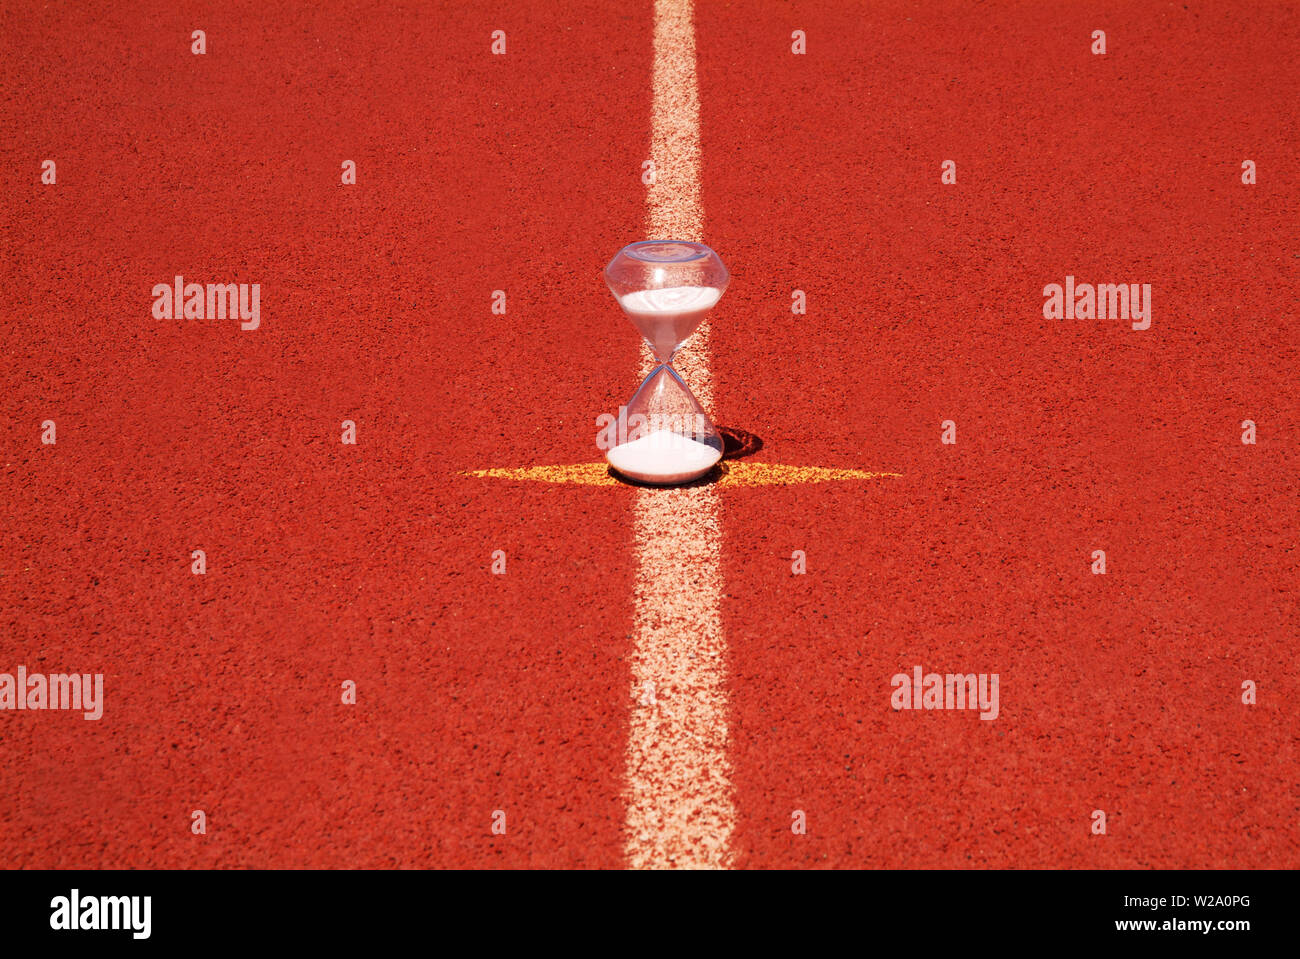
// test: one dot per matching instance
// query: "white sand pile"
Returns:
(664, 458)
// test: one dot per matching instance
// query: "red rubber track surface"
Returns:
(371, 562)
(1119, 692)
(325, 562)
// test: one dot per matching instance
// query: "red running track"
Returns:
(371, 562)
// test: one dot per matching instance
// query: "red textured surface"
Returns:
(329, 562)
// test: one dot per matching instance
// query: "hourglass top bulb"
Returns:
(666, 288)
(667, 317)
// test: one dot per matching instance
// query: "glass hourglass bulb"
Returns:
(666, 288)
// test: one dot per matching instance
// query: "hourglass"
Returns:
(666, 288)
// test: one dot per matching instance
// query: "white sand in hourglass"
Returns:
(668, 316)
(664, 457)
(665, 318)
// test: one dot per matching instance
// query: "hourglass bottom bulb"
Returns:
(663, 458)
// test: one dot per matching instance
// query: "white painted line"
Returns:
(680, 810)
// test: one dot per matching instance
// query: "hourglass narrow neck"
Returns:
(660, 360)
(666, 368)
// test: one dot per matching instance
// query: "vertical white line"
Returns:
(680, 812)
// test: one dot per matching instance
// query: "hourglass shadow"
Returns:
(736, 443)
